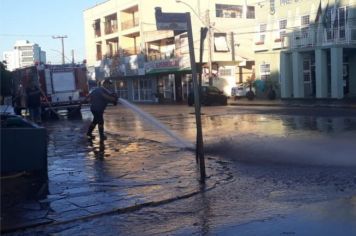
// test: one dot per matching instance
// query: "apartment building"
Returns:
(307, 48)
(24, 54)
(122, 43)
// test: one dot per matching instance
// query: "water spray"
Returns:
(181, 142)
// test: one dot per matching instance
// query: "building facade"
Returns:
(307, 48)
(122, 43)
(24, 54)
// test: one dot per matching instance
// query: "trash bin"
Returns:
(23, 146)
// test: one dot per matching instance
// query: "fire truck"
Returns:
(63, 87)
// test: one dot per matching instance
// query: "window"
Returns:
(96, 26)
(250, 12)
(228, 11)
(122, 88)
(305, 26)
(282, 24)
(142, 90)
(285, 2)
(340, 21)
(265, 71)
(220, 42)
(27, 53)
(263, 28)
(27, 59)
(282, 29)
(262, 35)
(99, 54)
(305, 20)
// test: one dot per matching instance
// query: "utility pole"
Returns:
(207, 15)
(182, 22)
(62, 37)
(72, 56)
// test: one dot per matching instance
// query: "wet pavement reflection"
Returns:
(260, 165)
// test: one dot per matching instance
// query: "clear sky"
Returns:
(38, 20)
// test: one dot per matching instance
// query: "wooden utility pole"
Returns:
(62, 37)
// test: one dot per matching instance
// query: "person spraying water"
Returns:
(99, 99)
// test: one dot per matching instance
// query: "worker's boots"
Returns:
(101, 133)
(90, 131)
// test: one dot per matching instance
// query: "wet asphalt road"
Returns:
(281, 169)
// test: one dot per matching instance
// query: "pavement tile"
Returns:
(62, 205)
(126, 172)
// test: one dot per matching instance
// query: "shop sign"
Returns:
(162, 65)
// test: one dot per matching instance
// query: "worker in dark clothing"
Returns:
(99, 99)
(34, 102)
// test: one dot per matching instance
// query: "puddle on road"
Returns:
(283, 139)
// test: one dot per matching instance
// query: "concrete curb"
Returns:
(351, 106)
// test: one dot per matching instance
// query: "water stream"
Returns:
(153, 121)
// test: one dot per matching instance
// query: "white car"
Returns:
(241, 90)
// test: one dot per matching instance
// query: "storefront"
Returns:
(172, 82)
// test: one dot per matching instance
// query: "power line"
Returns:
(25, 35)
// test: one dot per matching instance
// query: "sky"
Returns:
(38, 20)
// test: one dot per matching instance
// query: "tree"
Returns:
(5, 81)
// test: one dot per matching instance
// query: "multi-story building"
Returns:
(24, 54)
(306, 47)
(122, 42)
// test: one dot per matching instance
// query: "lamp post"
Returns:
(207, 24)
(62, 37)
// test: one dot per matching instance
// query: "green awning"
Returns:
(167, 70)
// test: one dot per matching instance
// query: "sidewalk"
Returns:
(332, 103)
(88, 179)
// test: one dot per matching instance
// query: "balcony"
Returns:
(130, 51)
(303, 38)
(155, 56)
(110, 28)
(129, 24)
(322, 36)
(340, 35)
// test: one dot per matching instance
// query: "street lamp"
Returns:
(208, 25)
(61, 37)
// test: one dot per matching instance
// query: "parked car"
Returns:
(210, 95)
(241, 90)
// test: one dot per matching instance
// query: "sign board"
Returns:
(170, 21)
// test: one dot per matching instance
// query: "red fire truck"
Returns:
(63, 87)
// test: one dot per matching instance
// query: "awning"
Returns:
(167, 70)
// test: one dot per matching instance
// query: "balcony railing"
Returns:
(130, 23)
(160, 56)
(320, 36)
(109, 29)
(130, 51)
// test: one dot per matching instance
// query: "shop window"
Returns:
(122, 89)
(142, 90)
